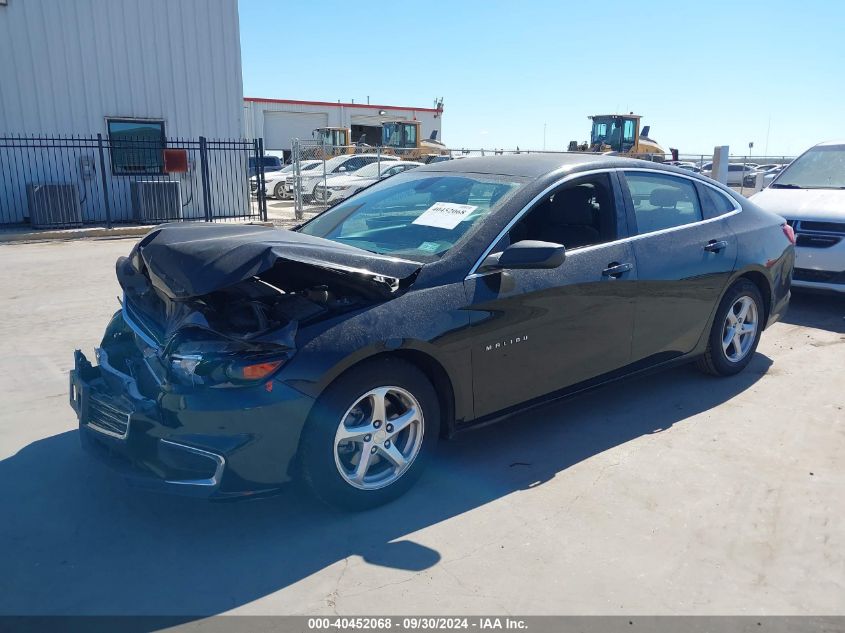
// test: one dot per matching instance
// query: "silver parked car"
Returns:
(810, 194)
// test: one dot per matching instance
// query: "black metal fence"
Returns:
(70, 181)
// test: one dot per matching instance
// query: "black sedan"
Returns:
(446, 297)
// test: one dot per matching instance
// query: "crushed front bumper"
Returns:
(214, 443)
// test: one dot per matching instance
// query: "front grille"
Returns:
(822, 227)
(816, 241)
(818, 276)
(107, 416)
(253, 186)
(812, 234)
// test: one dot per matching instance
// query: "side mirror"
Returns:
(527, 254)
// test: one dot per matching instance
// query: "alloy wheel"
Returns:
(740, 329)
(378, 438)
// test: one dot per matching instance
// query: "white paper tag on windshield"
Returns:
(445, 215)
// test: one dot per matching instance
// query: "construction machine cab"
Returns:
(332, 136)
(400, 134)
(615, 133)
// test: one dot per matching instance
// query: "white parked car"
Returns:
(341, 186)
(736, 172)
(810, 194)
(274, 182)
(338, 165)
(280, 185)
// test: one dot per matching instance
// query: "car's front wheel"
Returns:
(279, 190)
(736, 330)
(370, 434)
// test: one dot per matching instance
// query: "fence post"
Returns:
(106, 201)
(206, 198)
(262, 185)
(297, 175)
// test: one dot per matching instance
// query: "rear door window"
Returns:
(714, 203)
(662, 201)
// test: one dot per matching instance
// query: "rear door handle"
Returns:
(714, 247)
(615, 270)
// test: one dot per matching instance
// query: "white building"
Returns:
(155, 74)
(278, 121)
(66, 67)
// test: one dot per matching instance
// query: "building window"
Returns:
(136, 146)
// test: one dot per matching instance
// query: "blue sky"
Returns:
(700, 73)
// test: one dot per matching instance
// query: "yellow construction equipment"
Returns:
(334, 141)
(621, 134)
(405, 139)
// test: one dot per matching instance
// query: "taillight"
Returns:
(790, 234)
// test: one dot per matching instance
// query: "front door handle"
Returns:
(714, 247)
(615, 269)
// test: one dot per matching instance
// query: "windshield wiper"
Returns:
(787, 185)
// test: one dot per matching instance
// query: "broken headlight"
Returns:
(222, 362)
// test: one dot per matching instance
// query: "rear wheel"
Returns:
(736, 330)
(370, 435)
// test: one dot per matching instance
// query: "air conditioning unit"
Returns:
(156, 200)
(52, 205)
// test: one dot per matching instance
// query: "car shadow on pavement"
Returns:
(816, 310)
(76, 540)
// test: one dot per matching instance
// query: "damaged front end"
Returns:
(188, 371)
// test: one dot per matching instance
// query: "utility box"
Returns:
(720, 164)
(175, 161)
(156, 201)
(53, 205)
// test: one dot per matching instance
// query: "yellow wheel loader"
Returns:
(334, 141)
(621, 134)
(405, 140)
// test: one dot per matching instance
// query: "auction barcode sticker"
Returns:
(445, 215)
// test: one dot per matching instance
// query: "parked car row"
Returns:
(769, 172)
(340, 178)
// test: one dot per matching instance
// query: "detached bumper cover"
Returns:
(215, 443)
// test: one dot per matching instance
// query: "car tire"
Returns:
(279, 190)
(741, 307)
(330, 465)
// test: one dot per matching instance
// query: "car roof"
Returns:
(834, 142)
(540, 164)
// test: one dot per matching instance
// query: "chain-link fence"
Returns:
(322, 175)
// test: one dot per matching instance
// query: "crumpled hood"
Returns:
(187, 260)
(822, 205)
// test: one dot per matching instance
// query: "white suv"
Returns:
(810, 194)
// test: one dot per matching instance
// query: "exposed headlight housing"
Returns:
(213, 363)
(339, 187)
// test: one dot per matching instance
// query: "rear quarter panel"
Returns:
(764, 248)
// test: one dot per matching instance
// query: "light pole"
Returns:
(544, 137)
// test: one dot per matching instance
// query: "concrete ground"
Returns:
(673, 493)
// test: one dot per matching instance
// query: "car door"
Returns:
(534, 332)
(684, 259)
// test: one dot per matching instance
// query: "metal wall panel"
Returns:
(256, 113)
(66, 66)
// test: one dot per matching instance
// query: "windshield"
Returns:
(821, 167)
(416, 216)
